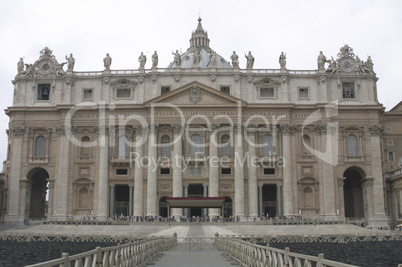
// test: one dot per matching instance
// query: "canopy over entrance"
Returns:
(195, 202)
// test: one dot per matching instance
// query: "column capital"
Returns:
(139, 129)
(153, 128)
(238, 128)
(18, 131)
(375, 129)
(178, 129)
(287, 128)
(204, 184)
(102, 130)
(65, 130)
(260, 184)
(212, 128)
(251, 129)
(186, 185)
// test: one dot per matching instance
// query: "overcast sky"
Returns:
(90, 29)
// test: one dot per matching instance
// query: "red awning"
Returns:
(195, 202)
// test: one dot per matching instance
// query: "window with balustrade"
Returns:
(40, 146)
(123, 148)
(351, 144)
(267, 145)
(195, 144)
(165, 146)
(225, 145)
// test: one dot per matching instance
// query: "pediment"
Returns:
(196, 94)
(272, 82)
(397, 108)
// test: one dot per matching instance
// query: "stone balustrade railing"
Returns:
(138, 253)
(185, 70)
(248, 254)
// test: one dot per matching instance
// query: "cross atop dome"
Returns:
(199, 37)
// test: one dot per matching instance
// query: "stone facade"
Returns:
(392, 145)
(274, 142)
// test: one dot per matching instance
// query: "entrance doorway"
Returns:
(353, 194)
(38, 192)
(163, 207)
(227, 208)
(196, 190)
(122, 200)
(269, 200)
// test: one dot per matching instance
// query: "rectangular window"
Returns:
(303, 93)
(390, 156)
(390, 142)
(123, 93)
(269, 171)
(165, 89)
(348, 90)
(226, 171)
(267, 92)
(388, 129)
(87, 94)
(195, 171)
(165, 171)
(225, 90)
(121, 171)
(43, 92)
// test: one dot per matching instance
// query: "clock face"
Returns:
(45, 66)
(347, 64)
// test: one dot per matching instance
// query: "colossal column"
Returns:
(252, 174)
(239, 175)
(177, 167)
(138, 173)
(286, 130)
(103, 171)
(213, 169)
(17, 134)
(63, 166)
(380, 218)
(152, 159)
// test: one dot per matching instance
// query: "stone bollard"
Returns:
(175, 237)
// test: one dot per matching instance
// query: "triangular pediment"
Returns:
(397, 108)
(196, 94)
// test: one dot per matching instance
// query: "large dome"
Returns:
(199, 54)
(187, 60)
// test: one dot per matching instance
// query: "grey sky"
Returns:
(90, 29)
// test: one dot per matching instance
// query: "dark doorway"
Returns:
(196, 190)
(353, 194)
(122, 200)
(227, 207)
(163, 212)
(38, 205)
(269, 200)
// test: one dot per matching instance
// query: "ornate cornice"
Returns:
(153, 128)
(64, 130)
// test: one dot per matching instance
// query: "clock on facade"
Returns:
(45, 66)
(347, 64)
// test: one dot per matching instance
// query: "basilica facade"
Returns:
(272, 142)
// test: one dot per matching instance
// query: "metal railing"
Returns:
(248, 254)
(138, 253)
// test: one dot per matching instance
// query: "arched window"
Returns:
(195, 144)
(122, 149)
(352, 145)
(40, 145)
(85, 149)
(267, 145)
(306, 143)
(225, 145)
(165, 145)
